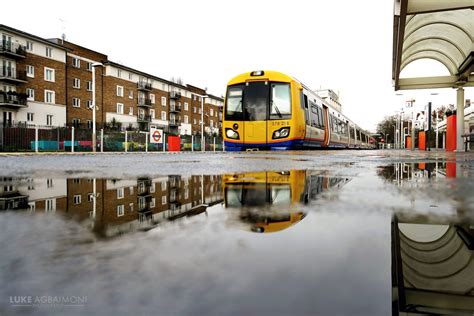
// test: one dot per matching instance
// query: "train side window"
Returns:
(321, 117)
(305, 101)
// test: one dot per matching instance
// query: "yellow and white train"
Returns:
(271, 110)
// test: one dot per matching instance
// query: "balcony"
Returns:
(175, 123)
(12, 50)
(175, 95)
(144, 86)
(144, 118)
(10, 74)
(174, 108)
(144, 102)
(13, 99)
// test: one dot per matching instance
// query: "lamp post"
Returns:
(94, 136)
(436, 119)
(202, 118)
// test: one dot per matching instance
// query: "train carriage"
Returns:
(271, 110)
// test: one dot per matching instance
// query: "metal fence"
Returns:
(34, 138)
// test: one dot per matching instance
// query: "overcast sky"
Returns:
(342, 45)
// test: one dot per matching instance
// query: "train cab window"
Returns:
(234, 109)
(280, 102)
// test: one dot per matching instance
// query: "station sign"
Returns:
(156, 135)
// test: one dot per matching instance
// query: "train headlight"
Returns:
(281, 133)
(230, 133)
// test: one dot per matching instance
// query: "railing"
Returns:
(175, 95)
(144, 118)
(12, 73)
(143, 85)
(144, 102)
(13, 98)
(12, 48)
(175, 108)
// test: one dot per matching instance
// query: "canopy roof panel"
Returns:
(442, 30)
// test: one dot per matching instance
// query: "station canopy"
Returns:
(441, 30)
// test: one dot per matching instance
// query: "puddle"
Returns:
(294, 242)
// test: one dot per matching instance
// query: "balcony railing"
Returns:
(13, 99)
(11, 74)
(175, 108)
(143, 85)
(144, 102)
(10, 49)
(175, 95)
(144, 118)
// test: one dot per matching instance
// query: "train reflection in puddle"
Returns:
(270, 201)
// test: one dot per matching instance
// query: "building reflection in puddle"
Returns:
(270, 201)
(114, 206)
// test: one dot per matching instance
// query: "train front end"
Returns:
(262, 111)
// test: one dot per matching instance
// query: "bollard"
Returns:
(58, 138)
(203, 142)
(164, 141)
(214, 140)
(126, 141)
(72, 139)
(101, 140)
(36, 138)
(192, 142)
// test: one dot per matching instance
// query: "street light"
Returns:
(94, 135)
(436, 111)
(202, 118)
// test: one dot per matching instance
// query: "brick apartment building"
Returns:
(49, 82)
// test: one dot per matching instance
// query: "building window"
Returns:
(186, 106)
(152, 98)
(76, 122)
(119, 108)
(186, 119)
(76, 102)
(194, 109)
(120, 210)
(211, 124)
(32, 206)
(119, 73)
(119, 91)
(50, 205)
(152, 188)
(30, 93)
(77, 199)
(199, 111)
(89, 66)
(194, 121)
(89, 124)
(163, 101)
(89, 104)
(49, 120)
(130, 76)
(211, 112)
(76, 83)
(29, 45)
(130, 111)
(130, 207)
(152, 113)
(130, 94)
(49, 52)
(48, 74)
(76, 62)
(163, 115)
(152, 203)
(49, 96)
(163, 200)
(130, 189)
(163, 186)
(90, 197)
(30, 116)
(120, 193)
(89, 85)
(30, 71)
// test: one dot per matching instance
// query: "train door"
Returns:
(327, 124)
(256, 100)
(307, 118)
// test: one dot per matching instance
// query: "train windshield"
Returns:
(258, 101)
(257, 194)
